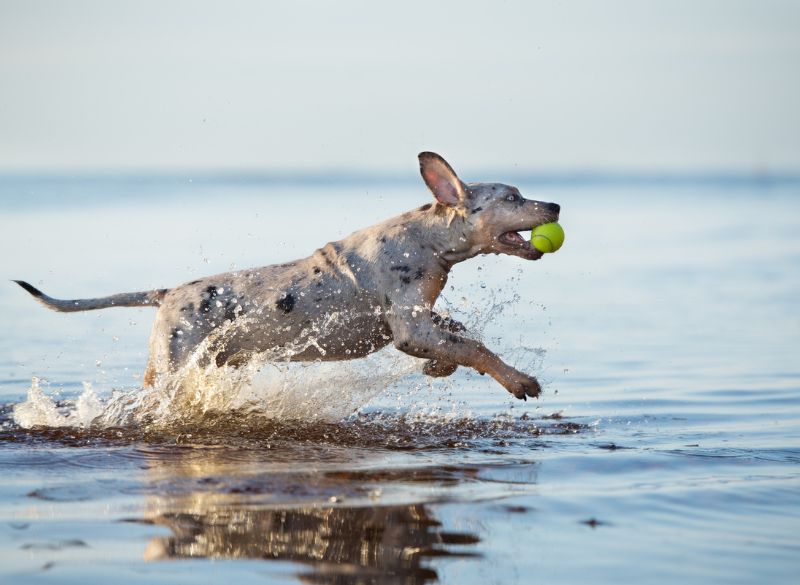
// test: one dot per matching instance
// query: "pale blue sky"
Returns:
(537, 85)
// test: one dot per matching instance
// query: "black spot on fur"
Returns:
(176, 332)
(447, 323)
(194, 282)
(382, 239)
(419, 274)
(230, 311)
(210, 295)
(30, 288)
(426, 207)
(476, 210)
(454, 339)
(286, 304)
(317, 270)
(405, 269)
(405, 279)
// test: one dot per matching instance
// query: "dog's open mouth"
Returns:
(519, 245)
(515, 239)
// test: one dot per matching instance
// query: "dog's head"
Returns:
(493, 213)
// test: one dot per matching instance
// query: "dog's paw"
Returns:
(438, 368)
(525, 386)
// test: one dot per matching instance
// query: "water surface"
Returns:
(666, 446)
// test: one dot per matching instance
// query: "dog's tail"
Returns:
(151, 298)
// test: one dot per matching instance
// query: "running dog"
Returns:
(351, 297)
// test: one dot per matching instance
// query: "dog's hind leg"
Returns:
(439, 368)
(149, 377)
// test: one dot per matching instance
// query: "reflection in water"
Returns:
(352, 500)
(347, 524)
(386, 544)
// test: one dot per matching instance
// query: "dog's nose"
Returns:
(554, 207)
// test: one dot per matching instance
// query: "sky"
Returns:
(544, 85)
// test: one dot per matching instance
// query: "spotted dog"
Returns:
(352, 297)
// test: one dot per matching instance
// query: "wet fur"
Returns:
(352, 297)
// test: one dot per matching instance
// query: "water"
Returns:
(666, 446)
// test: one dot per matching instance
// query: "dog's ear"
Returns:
(441, 179)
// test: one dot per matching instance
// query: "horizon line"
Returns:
(319, 175)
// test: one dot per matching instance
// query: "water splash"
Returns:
(319, 391)
(41, 410)
(266, 386)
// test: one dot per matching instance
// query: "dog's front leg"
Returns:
(415, 333)
(447, 323)
(437, 368)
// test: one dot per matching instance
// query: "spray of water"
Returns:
(320, 391)
(267, 386)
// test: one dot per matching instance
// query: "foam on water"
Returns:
(323, 391)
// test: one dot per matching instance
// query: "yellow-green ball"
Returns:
(547, 237)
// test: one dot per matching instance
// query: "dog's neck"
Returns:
(448, 232)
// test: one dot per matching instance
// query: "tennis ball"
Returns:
(547, 237)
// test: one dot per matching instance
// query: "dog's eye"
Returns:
(513, 197)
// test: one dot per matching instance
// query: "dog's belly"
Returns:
(344, 324)
(334, 334)
(342, 337)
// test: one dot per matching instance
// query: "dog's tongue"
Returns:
(516, 238)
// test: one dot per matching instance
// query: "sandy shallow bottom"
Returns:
(665, 449)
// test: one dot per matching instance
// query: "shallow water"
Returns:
(666, 446)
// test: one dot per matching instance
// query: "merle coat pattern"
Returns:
(352, 297)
